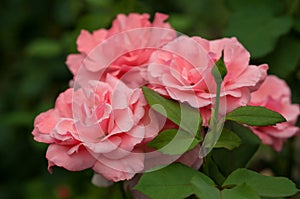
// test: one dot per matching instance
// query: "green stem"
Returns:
(217, 103)
(124, 196)
(219, 71)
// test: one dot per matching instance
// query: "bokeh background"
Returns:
(36, 36)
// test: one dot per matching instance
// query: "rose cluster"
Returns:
(103, 121)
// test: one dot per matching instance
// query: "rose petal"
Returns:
(44, 123)
(120, 169)
(58, 155)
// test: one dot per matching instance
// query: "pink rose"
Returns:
(275, 94)
(181, 70)
(99, 127)
(123, 50)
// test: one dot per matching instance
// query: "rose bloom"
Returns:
(98, 127)
(123, 50)
(181, 70)
(275, 94)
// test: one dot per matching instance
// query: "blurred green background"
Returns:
(36, 36)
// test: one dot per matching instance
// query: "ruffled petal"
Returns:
(120, 169)
(58, 155)
(44, 123)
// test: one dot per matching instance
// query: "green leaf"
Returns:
(242, 191)
(204, 187)
(213, 15)
(180, 22)
(211, 169)
(297, 24)
(219, 70)
(228, 140)
(173, 142)
(267, 186)
(272, 198)
(44, 48)
(183, 115)
(256, 5)
(90, 22)
(241, 155)
(255, 116)
(18, 118)
(284, 60)
(257, 29)
(171, 182)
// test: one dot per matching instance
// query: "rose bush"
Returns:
(275, 94)
(111, 122)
